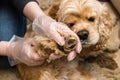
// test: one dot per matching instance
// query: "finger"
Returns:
(78, 46)
(63, 27)
(36, 56)
(31, 54)
(71, 56)
(35, 60)
(54, 56)
(56, 36)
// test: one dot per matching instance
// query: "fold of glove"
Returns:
(46, 26)
(20, 51)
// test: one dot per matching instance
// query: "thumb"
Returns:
(71, 56)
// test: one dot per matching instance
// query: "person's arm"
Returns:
(32, 10)
(3, 48)
(29, 8)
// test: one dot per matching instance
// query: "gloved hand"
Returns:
(20, 51)
(46, 26)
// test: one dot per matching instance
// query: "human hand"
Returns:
(44, 25)
(20, 50)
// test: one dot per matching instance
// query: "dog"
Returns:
(96, 23)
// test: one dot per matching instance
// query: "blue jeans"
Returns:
(11, 22)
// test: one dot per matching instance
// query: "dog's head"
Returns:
(89, 19)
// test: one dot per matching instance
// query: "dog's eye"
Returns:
(71, 24)
(91, 19)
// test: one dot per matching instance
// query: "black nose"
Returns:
(83, 34)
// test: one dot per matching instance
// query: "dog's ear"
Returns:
(108, 21)
(52, 11)
(105, 26)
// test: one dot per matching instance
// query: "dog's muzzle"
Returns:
(83, 35)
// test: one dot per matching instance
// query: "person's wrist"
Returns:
(4, 48)
(32, 10)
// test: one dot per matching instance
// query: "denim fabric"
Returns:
(11, 22)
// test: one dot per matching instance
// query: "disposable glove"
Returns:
(46, 26)
(20, 50)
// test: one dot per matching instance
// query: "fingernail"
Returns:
(54, 56)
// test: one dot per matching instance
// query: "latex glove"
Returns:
(44, 25)
(20, 51)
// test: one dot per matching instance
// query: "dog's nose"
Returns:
(83, 35)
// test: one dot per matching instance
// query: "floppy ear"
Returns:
(108, 22)
(52, 11)
(105, 27)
